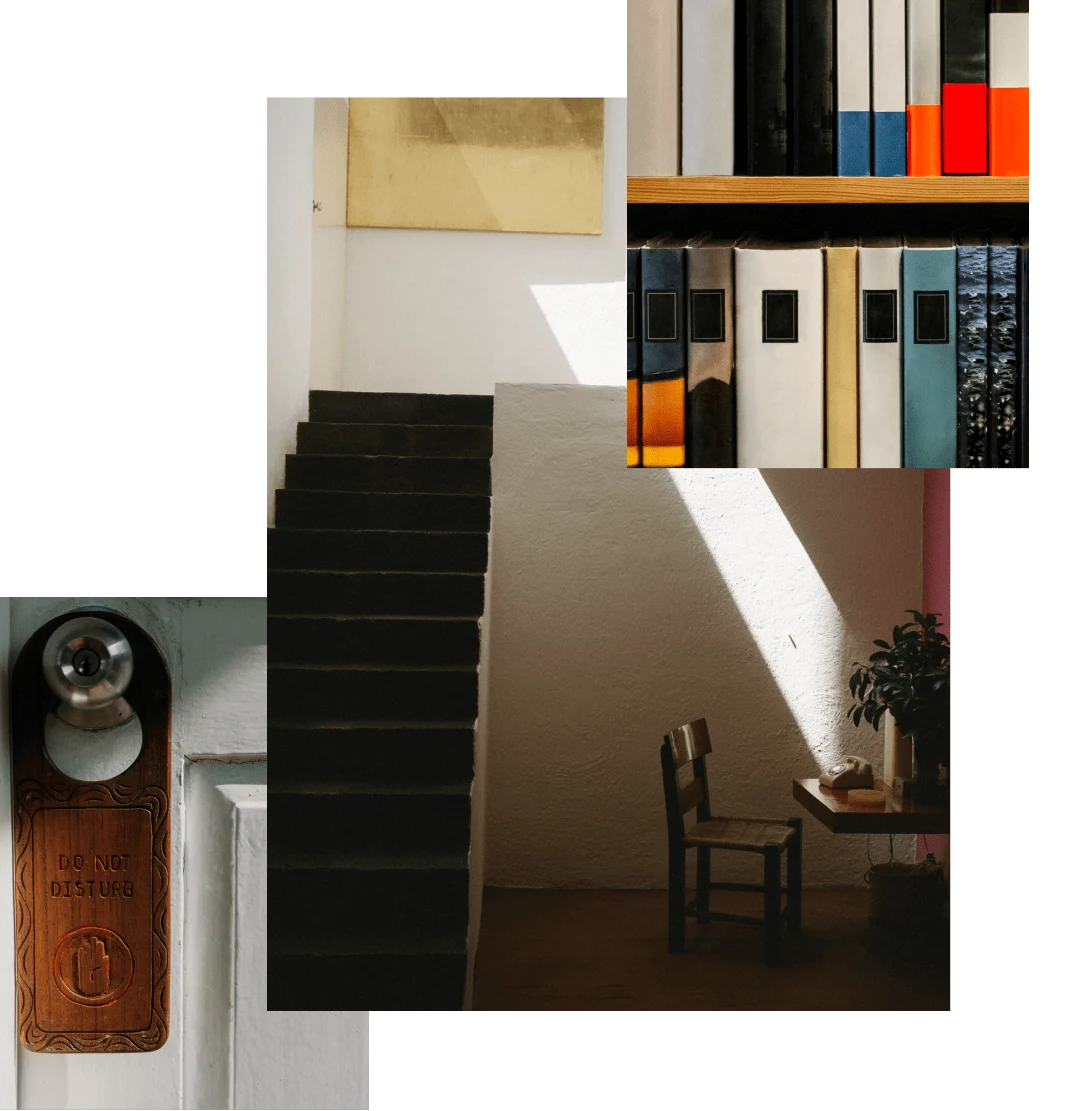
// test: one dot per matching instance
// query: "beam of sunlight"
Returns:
(587, 321)
(780, 595)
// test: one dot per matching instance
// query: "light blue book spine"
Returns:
(929, 276)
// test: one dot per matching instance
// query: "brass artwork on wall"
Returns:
(476, 164)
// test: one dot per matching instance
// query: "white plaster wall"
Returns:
(458, 311)
(329, 242)
(290, 139)
(625, 602)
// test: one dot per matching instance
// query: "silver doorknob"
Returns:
(88, 666)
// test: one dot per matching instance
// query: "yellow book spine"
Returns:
(842, 358)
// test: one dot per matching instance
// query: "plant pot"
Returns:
(929, 770)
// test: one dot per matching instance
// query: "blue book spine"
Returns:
(853, 144)
(930, 370)
(664, 352)
(891, 144)
(1004, 422)
(973, 426)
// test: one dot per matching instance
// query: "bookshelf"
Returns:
(827, 190)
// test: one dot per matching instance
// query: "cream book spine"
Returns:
(653, 41)
(708, 87)
(881, 395)
(780, 371)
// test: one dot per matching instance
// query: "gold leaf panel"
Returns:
(476, 164)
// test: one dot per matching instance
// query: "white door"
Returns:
(224, 1048)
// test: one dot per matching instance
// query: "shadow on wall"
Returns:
(626, 602)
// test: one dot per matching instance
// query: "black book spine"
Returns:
(1000, 6)
(964, 42)
(761, 29)
(1005, 401)
(811, 87)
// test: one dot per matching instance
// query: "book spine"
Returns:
(880, 357)
(765, 60)
(1008, 98)
(924, 88)
(853, 88)
(711, 414)
(1005, 401)
(930, 357)
(964, 86)
(812, 94)
(779, 358)
(842, 375)
(708, 106)
(664, 357)
(972, 376)
(653, 88)
(1023, 298)
(888, 87)
(634, 361)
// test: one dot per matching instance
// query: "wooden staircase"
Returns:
(375, 589)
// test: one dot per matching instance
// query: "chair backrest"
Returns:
(687, 744)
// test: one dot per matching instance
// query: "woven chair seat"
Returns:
(749, 834)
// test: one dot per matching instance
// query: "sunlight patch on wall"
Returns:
(587, 321)
(780, 595)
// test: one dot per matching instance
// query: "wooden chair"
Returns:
(690, 744)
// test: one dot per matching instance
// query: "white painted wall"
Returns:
(625, 602)
(458, 311)
(329, 242)
(290, 144)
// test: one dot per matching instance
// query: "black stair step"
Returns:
(348, 509)
(376, 550)
(323, 438)
(387, 474)
(367, 824)
(339, 406)
(384, 903)
(399, 753)
(366, 982)
(323, 786)
(385, 640)
(426, 594)
(378, 692)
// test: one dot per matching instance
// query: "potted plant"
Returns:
(911, 679)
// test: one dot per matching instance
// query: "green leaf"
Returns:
(883, 644)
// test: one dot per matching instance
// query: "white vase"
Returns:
(898, 757)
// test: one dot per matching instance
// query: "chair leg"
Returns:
(773, 905)
(701, 901)
(677, 894)
(795, 877)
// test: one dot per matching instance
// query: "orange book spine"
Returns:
(663, 410)
(634, 454)
(925, 140)
(1009, 132)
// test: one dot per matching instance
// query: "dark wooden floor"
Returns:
(598, 950)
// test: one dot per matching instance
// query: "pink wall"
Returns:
(936, 544)
(936, 586)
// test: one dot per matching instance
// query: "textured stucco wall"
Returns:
(458, 311)
(625, 602)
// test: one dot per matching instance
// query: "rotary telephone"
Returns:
(852, 772)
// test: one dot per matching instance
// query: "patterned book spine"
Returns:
(634, 362)
(972, 379)
(1023, 297)
(1005, 427)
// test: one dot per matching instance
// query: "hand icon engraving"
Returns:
(91, 967)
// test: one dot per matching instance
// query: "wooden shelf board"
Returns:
(827, 190)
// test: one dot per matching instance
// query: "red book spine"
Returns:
(964, 129)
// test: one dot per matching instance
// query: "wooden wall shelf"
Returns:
(827, 190)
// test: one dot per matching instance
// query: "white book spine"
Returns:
(780, 387)
(888, 77)
(881, 396)
(924, 52)
(653, 88)
(853, 56)
(1009, 50)
(708, 92)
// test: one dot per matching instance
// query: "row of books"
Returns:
(885, 352)
(823, 87)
